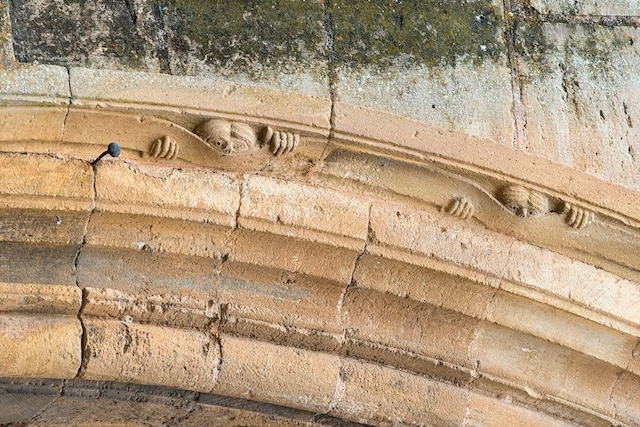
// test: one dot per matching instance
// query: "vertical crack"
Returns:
(83, 340)
(69, 102)
(162, 51)
(517, 107)
(332, 75)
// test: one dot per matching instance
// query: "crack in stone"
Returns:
(517, 109)
(83, 340)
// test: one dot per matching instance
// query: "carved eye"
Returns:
(531, 212)
(514, 207)
(237, 146)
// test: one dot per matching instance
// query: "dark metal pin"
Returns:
(113, 150)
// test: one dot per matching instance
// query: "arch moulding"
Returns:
(319, 256)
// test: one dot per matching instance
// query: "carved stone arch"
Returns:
(373, 274)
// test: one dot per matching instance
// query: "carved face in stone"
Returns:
(524, 202)
(227, 137)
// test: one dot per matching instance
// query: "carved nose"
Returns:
(228, 148)
(522, 212)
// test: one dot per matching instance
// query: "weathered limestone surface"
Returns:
(148, 354)
(37, 346)
(334, 279)
(581, 97)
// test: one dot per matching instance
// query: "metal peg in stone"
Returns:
(113, 150)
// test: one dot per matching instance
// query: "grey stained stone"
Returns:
(581, 95)
(6, 44)
(588, 7)
(275, 43)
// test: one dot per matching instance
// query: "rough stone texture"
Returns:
(581, 96)
(83, 412)
(438, 236)
(38, 346)
(152, 234)
(6, 42)
(587, 7)
(122, 187)
(487, 412)
(274, 374)
(558, 326)
(284, 307)
(543, 368)
(35, 263)
(205, 415)
(336, 218)
(38, 84)
(198, 94)
(170, 310)
(423, 284)
(66, 180)
(293, 254)
(40, 299)
(626, 399)
(145, 272)
(442, 62)
(148, 354)
(419, 328)
(279, 48)
(364, 391)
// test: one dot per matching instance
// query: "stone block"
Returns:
(423, 284)
(285, 253)
(518, 266)
(162, 191)
(626, 399)
(408, 325)
(28, 124)
(147, 273)
(104, 34)
(198, 94)
(580, 94)
(43, 226)
(612, 8)
(34, 84)
(18, 408)
(40, 299)
(543, 368)
(280, 375)
(36, 263)
(281, 45)
(154, 234)
(217, 416)
(6, 42)
(280, 306)
(404, 58)
(492, 412)
(304, 212)
(90, 412)
(379, 395)
(128, 351)
(37, 346)
(65, 184)
(160, 309)
(558, 326)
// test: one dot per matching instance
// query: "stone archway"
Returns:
(374, 275)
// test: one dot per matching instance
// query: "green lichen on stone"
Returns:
(533, 46)
(253, 37)
(599, 46)
(6, 49)
(383, 33)
(77, 32)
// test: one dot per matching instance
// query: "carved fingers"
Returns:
(460, 207)
(577, 217)
(281, 142)
(164, 148)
